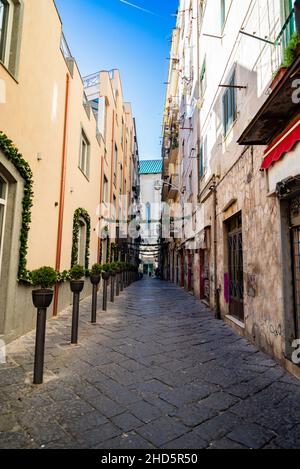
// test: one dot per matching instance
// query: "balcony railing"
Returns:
(91, 80)
(65, 48)
(288, 29)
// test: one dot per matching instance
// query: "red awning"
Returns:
(283, 144)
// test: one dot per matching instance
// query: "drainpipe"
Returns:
(297, 16)
(101, 196)
(112, 157)
(62, 192)
(217, 289)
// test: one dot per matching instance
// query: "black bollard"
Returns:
(95, 280)
(104, 307)
(41, 300)
(75, 319)
(122, 280)
(40, 346)
(76, 288)
(112, 286)
(94, 305)
(105, 277)
(118, 284)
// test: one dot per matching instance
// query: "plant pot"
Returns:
(279, 75)
(42, 298)
(95, 279)
(105, 275)
(76, 286)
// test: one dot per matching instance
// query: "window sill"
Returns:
(236, 321)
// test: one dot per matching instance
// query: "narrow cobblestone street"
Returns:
(157, 371)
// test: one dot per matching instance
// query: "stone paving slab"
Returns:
(156, 371)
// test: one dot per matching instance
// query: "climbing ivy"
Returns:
(81, 213)
(23, 168)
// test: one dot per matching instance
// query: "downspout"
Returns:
(62, 193)
(216, 287)
(112, 157)
(100, 202)
(108, 255)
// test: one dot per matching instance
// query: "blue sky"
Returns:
(106, 34)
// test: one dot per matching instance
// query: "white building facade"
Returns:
(234, 70)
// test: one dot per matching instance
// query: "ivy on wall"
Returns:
(23, 168)
(81, 213)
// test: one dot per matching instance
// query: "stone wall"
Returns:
(246, 186)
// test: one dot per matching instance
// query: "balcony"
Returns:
(281, 106)
(174, 151)
(91, 80)
(174, 188)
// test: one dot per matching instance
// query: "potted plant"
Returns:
(77, 274)
(105, 271)
(95, 274)
(45, 278)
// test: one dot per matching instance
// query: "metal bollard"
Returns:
(94, 305)
(118, 284)
(40, 346)
(95, 280)
(122, 281)
(112, 286)
(104, 306)
(75, 319)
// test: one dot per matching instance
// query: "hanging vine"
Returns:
(81, 213)
(23, 168)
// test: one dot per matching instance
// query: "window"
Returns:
(148, 213)
(10, 27)
(191, 183)
(105, 190)
(82, 243)
(84, 161)
(3, 198)
(203, 78)
(203, 158)
(229, 105)
(121, 179)
(115, 165)
(223, 13)
(115, 208)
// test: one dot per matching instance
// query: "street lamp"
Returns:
(160, 183)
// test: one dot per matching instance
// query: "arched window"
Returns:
(81, 238)
(3, 201)
(82, 242)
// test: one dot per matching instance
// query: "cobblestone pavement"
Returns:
(157, 371)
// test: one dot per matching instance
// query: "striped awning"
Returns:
(283, 144)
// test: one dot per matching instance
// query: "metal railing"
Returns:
(288, 29)
(64, 47)
(91, 80)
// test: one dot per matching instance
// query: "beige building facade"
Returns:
(55, 185)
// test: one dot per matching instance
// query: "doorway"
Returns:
(235, 264)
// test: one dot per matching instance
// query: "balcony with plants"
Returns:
(281, 107)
